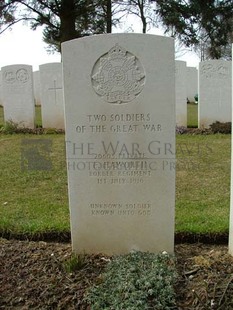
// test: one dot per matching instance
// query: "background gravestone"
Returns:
(181, 95)
(36, 87)
(52, 103)
(191, 83)
(120, 137)
(17, 95)
(214, 94)
(231, 198)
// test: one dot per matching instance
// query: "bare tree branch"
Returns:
(15, 22)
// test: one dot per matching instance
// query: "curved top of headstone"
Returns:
(16, 65)
(16, 73)
(120, 35)
(181, 62)
(215, 68)
(116, 63)
(50, 64)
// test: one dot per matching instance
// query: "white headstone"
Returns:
(36, 86)
(214, 95)
(119, 94)
(17, 95)
(191, 83)
(181, 95)
(52, 103)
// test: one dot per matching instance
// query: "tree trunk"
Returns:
(109, 16)
(67, 15)
(141, 4)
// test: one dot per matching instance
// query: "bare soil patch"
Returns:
(33, 276)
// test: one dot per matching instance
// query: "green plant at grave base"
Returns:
(12, 127)
(9, 127)
(50, 131)
(196, 98)
(75, 263)
(136, 281)
(218, 127)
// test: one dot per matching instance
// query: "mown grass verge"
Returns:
(35, 203)
(203, 184)
(32, 202)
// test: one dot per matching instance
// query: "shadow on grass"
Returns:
(65, 237)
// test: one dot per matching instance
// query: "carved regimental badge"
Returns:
(118, 77)
(20, 76)
(219, 71)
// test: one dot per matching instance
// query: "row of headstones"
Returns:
(120, 128)
(186, 87)
(213, 87)
(22, 89)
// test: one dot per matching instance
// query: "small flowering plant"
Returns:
(135, 281)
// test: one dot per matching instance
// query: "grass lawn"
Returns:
(192, 115)
(203, 183)
(35, 202)
(38, 119)
(32, 201)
